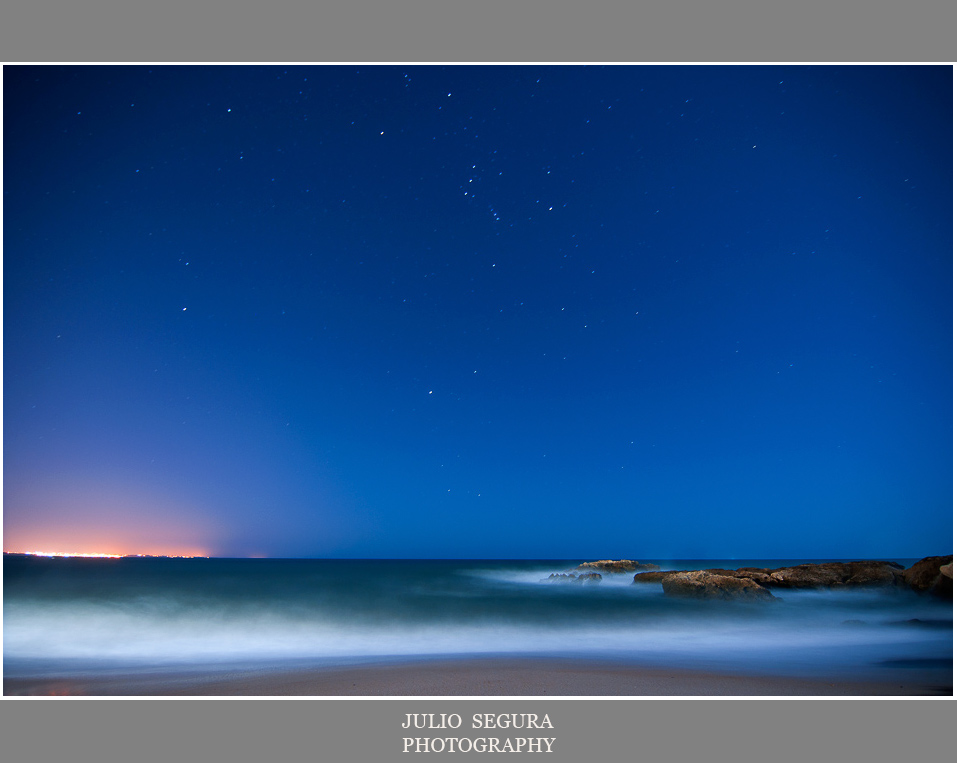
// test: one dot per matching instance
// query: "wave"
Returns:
(250, 614)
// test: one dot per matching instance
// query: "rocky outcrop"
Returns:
(659, 575)
(831, 575)
(825, 575)
(932, 574)
(622, 565)
(561, 577)
(652, 577)
(707, 584)
(717, 583)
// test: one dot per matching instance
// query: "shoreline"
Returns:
(464, 677)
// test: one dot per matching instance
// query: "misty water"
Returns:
(83, 616)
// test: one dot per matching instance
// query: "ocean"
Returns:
(71, 616)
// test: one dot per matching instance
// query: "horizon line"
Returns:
(78, 555)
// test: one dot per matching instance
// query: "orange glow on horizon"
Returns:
(93, 555)
(83, 518)
(94, 545)
(101, 555)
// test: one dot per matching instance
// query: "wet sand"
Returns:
(519, 677)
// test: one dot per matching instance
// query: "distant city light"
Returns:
(71, 553)
(77, 554)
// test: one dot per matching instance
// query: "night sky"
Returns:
(487, 312)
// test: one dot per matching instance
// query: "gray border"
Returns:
(656, 731)
(370, 730)
(493, 30)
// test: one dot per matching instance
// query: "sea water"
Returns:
(96, 616)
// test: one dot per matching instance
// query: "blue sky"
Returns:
(539, 312)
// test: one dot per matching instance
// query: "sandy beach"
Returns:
(469, 677)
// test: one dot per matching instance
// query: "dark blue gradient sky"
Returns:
(551, 312)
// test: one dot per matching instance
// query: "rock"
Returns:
(657, 576)
(561, 577)
(918, 622)
(704, 584)
(929, 574)
(760, 576)
(874, 573)
(653, 577)
(932, 574)
(825, 575)
(622, 565)
(934, 624)
(831, 575)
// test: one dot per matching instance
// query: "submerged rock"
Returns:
(926, 623)
(707, 584)
(622, 565)
(561, 577)
(932, 574)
